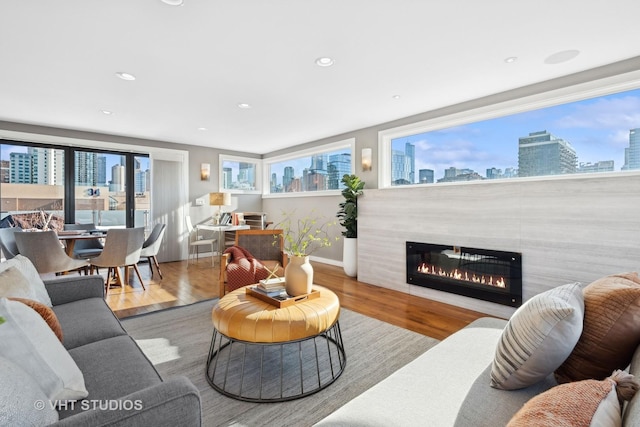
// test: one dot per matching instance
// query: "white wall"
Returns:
(576, 228)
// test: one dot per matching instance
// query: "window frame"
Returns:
(568, 94)
(226, 157)
(349, 143)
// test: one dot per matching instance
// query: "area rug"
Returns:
(177, 342)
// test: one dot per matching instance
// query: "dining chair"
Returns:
(151, 246)
(122, 248)
(8, 241)
(85, 248)
(195, 243)
(46, 253)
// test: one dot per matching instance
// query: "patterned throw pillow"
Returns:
(611, 329)
(28, 270)
(538, 338)
(582, 403)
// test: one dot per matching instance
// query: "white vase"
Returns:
(298, 276)
(350, 256)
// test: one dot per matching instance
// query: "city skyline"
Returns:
(597, 128)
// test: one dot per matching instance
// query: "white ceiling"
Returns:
(196, 62)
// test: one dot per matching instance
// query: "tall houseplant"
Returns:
(348, 218)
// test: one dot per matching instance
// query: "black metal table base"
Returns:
(275, 372)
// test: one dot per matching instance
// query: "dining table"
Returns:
(69, 238)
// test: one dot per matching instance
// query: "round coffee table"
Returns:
(262, 353)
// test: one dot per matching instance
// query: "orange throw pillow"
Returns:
(47, 314)
(611, 331)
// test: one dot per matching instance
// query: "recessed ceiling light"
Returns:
(563, 56)
(125, 76)
(396, 97)
(107, 112)
(511, 59)
(244, 105)
(173, 2)
(324, 62)
(202, 129)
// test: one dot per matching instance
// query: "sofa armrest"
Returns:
(73, 288)
(175, 402)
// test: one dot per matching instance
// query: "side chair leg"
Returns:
(155, 262)
(137, 270)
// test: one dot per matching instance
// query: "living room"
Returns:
(568, 229)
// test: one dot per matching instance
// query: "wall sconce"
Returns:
(205, 171)
(367, 163)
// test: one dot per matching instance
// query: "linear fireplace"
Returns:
(485, 274)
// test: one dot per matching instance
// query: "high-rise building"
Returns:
(339, 165)
(426, 176)
(287, 178)
(20, 168)
(87, 168)
(632, 153)
(5, 171)
(403, 165)
(118, 178)
(101, 166)
(227, 177)
(410, 152)
(542, 153)
(601, 166)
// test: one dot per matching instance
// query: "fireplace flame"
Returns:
(463, 275)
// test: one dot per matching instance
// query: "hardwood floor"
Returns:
(182, 285)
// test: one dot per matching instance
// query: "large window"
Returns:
(73, 185)
(239, 174)
(599, 134)
(319, 169)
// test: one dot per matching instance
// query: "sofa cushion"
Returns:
(538, 338)
(27, 269)
(611, 329)
(581, 403)
(46, 313)
(19, 393)
(87, 320)
(14, 284)
(29, 343)
(113, 367)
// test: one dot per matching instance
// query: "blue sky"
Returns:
(598, 129)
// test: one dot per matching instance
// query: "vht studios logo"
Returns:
(89, 404)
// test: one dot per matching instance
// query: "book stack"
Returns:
(271, 287)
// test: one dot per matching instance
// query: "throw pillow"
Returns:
(14, 284)
(611, 330)
(582, 403)
(28, 342)
(19, 393)
(538, 338)
(24, 265)
(46, 313)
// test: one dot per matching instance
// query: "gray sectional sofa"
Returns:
(114, 367)
(449, 386)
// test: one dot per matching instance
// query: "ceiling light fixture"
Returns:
(511, 59)
(173, 2)
(202, 129)
(107, 112)
(324, 62)
(244, 105)
(396, 97)
(125, 76)
(563, 56)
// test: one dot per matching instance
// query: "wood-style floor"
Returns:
(184, 284)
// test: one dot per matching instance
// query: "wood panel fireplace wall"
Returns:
(489, 275)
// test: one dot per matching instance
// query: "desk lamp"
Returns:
(219, 199)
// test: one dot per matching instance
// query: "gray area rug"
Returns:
(177, 342)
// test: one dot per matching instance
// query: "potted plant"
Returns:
(302, 236)
(348, 217)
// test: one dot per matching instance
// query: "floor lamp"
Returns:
(219, 199)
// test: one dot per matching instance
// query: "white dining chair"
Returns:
(46, 253)
(195, 243)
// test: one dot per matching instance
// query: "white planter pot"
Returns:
(298, 276)
(350, 257)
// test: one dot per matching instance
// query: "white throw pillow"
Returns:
(13, 284)
(21, 400)
(30, 343)
(538, 338)
(28, 270)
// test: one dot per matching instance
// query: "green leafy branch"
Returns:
(304, 236)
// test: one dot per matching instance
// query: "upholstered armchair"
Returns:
(255, 255)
